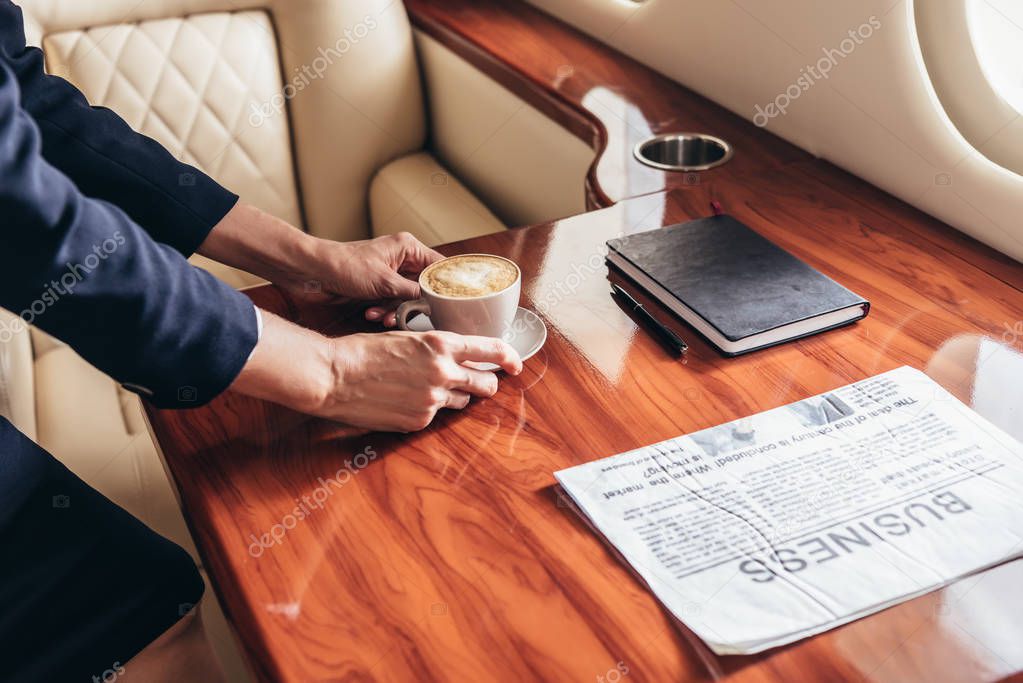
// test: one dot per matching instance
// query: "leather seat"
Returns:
(416, 194)
(300, 106)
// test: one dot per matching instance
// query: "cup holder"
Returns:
(683, 152)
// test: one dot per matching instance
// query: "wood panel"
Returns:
(447, 555)
(608, 100)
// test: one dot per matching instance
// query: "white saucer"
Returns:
(527, 335)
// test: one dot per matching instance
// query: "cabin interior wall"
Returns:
(847, 82)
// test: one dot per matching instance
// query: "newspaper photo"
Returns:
(775, 527)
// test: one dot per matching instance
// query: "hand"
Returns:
(399, 380)
(384, 268)
(318, 269)
(390, 381)
(378, 268)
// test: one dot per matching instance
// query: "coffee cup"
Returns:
(475, 294)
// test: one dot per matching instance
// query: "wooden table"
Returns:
(446, 555)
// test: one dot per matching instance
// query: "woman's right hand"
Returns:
(389, 381)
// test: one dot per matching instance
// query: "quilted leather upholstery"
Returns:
(363, 108)
(193, 84)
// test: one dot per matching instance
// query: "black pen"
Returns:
(673, 341)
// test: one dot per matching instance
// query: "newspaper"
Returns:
(763, 531)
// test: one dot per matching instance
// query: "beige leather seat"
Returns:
(296, 105)
(418, 195)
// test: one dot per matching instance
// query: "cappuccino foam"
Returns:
(470, 276)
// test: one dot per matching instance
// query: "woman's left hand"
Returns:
(384, 268)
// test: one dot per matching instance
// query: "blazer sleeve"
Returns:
(82, 270)
(176, 203)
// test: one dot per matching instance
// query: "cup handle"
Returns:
(417, 306)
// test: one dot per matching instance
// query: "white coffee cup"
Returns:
(487, 315)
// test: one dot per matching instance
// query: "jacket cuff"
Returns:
(212, 203)
(222, 358)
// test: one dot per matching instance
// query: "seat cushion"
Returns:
(416, 194)
(96, 428)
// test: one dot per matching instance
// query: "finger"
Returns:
(416, 255)
(383, 312)
(477, 382)
(489, 350)
(402, 288)
(457, 400)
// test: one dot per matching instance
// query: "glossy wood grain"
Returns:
(608, 100)
(447, 555)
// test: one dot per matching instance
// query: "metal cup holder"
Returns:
(683, 152)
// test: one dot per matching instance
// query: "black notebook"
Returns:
(736, 288)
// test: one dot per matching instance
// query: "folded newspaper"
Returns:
(775, 527)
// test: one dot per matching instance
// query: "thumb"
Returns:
(402, 288)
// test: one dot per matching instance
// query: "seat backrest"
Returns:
(293, 104)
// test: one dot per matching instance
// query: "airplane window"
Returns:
(973, 54)
(996, 27)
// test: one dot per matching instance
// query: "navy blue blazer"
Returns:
(96, 222)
